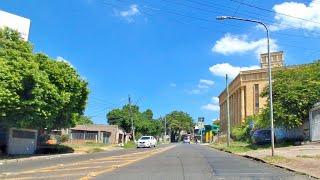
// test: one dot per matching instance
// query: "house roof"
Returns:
(96, 127)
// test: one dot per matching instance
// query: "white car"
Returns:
(147, 141)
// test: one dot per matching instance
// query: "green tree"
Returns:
(178, 121)
(83, 120)
(144, 123)
(29, 97)
(295, 90)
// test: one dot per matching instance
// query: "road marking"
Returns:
(109, 169)
(44, 177)
(126, 158)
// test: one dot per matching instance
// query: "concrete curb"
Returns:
(265, 162)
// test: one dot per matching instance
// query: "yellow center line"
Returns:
(119, 158)
(94, 174)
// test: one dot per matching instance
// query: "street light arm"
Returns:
(269, 70)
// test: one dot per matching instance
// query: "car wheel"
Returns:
(154, 145)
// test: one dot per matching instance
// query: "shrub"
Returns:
(62, 138)
(95, 150)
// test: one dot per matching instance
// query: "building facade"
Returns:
(21, 24)
(244, 92)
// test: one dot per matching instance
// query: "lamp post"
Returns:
(269, 71)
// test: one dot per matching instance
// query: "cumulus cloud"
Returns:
(232, 44)
(232, 71)
(128, 15)
(288, 10)
(211, 107)
(215, 99)
(207, 82)
(173, 85)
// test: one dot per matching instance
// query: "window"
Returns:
(256, 98)
(23, 134)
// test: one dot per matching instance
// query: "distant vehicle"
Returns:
(186, 140)
(147, 141)
(261, 136)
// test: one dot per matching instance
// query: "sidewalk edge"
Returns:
(265, 162)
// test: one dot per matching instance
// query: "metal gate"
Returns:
(314, 118)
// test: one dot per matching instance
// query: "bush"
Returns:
(95, 150)
(138, 135)
(130, 144)
(62, 138)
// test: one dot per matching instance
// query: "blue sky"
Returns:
(167, 54)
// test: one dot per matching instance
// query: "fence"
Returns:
(84, 136)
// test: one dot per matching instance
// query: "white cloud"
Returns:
(133, 11)
(232, 71)
(215, 99)
(203, 86)
(59, 58)
(300, 10)
(207, 82)
(211, 107)
(194, 91)
(173, 84)
(232, 44)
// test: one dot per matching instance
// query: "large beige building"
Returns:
(244, 92)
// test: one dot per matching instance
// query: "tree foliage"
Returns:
(35, 90)
(83, 120)
(144, 123)
(295, 90)
(178, 121)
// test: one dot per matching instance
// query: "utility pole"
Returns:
(165, 130)
(132, 130)
(228, 112)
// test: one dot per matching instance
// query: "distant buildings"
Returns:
(15, 22)
(245, 91)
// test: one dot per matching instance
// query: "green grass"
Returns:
(95, 150)
(130, 145)
(87, 144)
(276, 159)
(309, 156)
(238, 147)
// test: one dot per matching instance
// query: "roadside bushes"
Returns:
(243, 132)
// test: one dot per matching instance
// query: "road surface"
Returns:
(165, 162)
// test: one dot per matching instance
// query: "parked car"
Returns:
(147, 141)
(186, 140)
(261, 136)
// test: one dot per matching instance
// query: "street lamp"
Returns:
(269, 70)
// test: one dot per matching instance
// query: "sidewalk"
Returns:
(304, 158)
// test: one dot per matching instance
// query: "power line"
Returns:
(258, 18)
(263, 9)
(237, 8)
(201, 27)
(108, 107)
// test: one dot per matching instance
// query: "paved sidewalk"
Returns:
(304, 158)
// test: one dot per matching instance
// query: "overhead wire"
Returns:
(198, 18)
(261, 19)
(267, 10)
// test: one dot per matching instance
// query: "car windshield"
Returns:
(145, 138)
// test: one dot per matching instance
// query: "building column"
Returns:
(243, 105)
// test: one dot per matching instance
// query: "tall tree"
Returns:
(143, 121)
(178, 121)
(295, 90)
(29, 95)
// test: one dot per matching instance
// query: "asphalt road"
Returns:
(165, 162)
